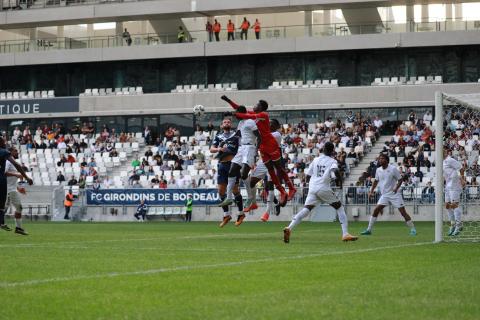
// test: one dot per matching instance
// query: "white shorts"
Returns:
(260, 170)
(315, 197)
(452, 196)
(394, 199)
(13, 199)
(245, 155)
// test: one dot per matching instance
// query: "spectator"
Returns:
(256, 28)
(92, 163)
(107, 183)
(230, 30)
(113, 153)
(72, 181)
(209, 29)
(126, 36)
(378, 123)
(163, 184)
(216, 29)
(244, 28)
(141, 211)
(82, 182)
(149, 152)
(189, 207)
(60, 177)
(427, 117)
(181, 35)
(147, 134)
(136, 162)
(210, 126)
(155, 180)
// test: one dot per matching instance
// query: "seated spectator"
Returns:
(93, 173)
(71, 159)
(136, 162)
(149, 152)
(113, 153)
(60, 177)
(92, 163)
(72, 181)
(163, 184)
(155, 180)
(107, 183)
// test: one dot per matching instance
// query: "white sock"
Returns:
(410, 224)
(248, 188)
(298, 218)
(451, 217)
(371, 222)
(230, 185)
(253, 190)
(18, 222)
(458, 217)
(271, 195)
(342, 217)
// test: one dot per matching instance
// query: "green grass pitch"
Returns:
(198, 271)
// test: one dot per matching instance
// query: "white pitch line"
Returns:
(199, 267)
(207, 236)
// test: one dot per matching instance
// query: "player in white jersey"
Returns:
(319, 174)
(14, 190)
(244, 160)
(261, 172)
(389, 178)
(454, 183)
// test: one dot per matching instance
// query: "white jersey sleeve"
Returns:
(247, 127)
(11, 181)
(278, 136)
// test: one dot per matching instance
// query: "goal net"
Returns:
(457, 135)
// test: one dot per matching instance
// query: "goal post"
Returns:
(457, 125)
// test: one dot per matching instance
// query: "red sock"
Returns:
(283, 174)
(276, 182)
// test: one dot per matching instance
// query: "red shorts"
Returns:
(270, 155)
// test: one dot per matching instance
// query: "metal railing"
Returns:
(278, 32)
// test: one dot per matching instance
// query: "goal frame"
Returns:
(441, 100)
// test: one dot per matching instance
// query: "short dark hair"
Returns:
(242, 109)
(276, 122)
(328, 148)
(385, 156)
(263, 104)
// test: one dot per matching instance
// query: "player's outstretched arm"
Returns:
(20, 169)
(253, 116)
(230, 102)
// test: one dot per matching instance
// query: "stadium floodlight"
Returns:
(457, 126)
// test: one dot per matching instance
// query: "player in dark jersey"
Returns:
(226, 145)
(4, 156)
(269, 148)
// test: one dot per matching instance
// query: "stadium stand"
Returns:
(208, 88)
(15, 95)
(110, 160)
(403, 80)
(299, 84)
(110, 92)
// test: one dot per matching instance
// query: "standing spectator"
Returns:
(216, 29)
(412, 116)
(209, 28)
(230, 30)
(68, 203)
(244, 28)
(189, 205)
(210, 126)
(127, 37)
(147, 134)
(142, 210)
(256, 28)
(427, 117)
(181, 35)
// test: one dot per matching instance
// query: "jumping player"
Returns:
(226, 145)
(261, 172)
(269, 148)
(243, 160)
(453, 188)
(319, 175)
(4, 156)
(14, 190)
(390, 179)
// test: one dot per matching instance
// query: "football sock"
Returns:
(225, 208)
(371, 223)
(230, 185)
(271, 195)
(342, 217)
(451, 216)
(298, 218)
(239, 202)
(248, 188)
(458, 216)
(18, 220)
(410, 224)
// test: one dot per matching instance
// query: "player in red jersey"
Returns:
(269, 148)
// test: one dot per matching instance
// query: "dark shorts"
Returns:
(3, 192)
(223, 170)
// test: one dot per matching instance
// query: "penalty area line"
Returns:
(200, 267)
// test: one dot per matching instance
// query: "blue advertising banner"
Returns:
(153, 197)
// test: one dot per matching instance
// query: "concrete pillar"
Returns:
(458, 11)
(449, 11)
(308, 23)
(410, 18)
(90, 32)
(60, 32)
(424, 14)
(118, 33)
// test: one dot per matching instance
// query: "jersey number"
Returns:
(320, 171)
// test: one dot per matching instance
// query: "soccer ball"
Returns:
(198, 110)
